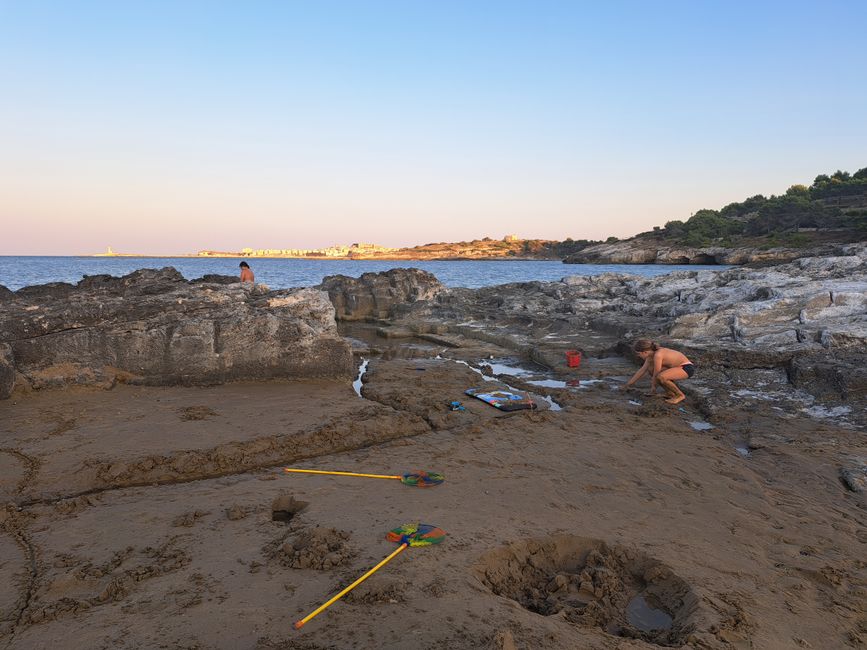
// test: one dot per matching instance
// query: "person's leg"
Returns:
(667, 378)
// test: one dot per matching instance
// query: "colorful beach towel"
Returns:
(502, 399)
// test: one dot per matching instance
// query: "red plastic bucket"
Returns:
(573, 358)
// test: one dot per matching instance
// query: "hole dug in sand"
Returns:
(592, 584)
(285, 507)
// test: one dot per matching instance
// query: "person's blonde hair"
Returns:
(645, 345)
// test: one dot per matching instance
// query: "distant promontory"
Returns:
(814, 220)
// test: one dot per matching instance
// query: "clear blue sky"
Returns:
(168, 127)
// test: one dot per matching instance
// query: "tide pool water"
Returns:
(22, 271)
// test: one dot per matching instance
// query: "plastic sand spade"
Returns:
(418, 478)
(406, 535)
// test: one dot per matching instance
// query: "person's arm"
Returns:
(639, 374)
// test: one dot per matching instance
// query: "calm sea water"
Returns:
(17, 272)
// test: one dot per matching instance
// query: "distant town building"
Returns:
(511, 238)
(340, 250)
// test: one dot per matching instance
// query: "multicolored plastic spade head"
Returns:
(416, 478)
(420, 478)
(407, 535)
(416, 535)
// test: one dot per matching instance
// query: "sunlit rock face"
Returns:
(154, 327)
(379, 295)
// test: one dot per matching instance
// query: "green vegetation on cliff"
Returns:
(832, 207)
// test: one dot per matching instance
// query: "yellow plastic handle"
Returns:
(299, 624)
(317, 471)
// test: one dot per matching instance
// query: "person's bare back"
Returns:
(671, 358)
(246, 273)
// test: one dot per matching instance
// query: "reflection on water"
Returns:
(646, 618)
(505, 369)
(356, 385)
(366, 341)
(554, 406)
(548, 383)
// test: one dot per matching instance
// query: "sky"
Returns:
(172, 127)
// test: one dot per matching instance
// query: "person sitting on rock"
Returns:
(665, 366)
(246, 273)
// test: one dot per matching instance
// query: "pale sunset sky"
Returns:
(170, 127)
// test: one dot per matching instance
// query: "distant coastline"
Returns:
(509, 247)
(355, 258)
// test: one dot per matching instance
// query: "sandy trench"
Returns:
(167, 538)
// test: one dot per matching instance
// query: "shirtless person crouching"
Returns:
(666, 366)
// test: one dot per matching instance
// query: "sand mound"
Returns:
(316, 548)
(590, 583)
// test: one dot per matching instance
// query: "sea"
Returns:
(280, 273)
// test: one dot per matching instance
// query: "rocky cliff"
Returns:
(154, 327)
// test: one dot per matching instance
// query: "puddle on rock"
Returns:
(701, 425)
(548, 383)
(571, 383)
(356, 385)
(366, 340)
(554, 406)
(503, 367)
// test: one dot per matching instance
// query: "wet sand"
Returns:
(145, 518)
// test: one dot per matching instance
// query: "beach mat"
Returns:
(502, 399)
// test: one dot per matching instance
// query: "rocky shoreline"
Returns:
(148, 417)
(802, 325)
(643, 251)
(804, 322)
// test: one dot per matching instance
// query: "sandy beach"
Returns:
(149, 517)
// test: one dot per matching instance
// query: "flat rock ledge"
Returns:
(154, 327)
